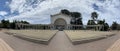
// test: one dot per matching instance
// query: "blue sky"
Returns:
(39, 11)
(4, 8)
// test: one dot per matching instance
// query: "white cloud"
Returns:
(16, 5)
(3, 13)
(42, 9)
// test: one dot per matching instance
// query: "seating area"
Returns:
(82, 36)
(39, 36)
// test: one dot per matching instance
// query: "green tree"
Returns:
(5, 23)
(105, 25)
(94, 16)
(65, 11)
(76, 14)
(114, 26)
(76, 18)
(101, 22)
(13, 24)
(24, 22)
(91, 22)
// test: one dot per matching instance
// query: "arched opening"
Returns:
(60, 23)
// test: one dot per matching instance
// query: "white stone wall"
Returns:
(65, 17)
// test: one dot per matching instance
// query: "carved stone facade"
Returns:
(60, 19)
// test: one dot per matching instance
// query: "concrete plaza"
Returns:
(85, 36)
(59, 43)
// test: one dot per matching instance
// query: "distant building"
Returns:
(60, 20)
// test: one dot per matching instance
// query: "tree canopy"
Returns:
(114, 26)
(76, 14)
(65, 11)
(105, 25)
(7, 24)
(91, 22)
(76, 17)
(94, 15)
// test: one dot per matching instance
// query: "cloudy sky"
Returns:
(39, 11)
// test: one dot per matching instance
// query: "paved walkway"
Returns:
(4, 46)
(115, 46)
(59, 43)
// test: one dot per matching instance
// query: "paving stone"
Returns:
(4, 46)
(115, 46)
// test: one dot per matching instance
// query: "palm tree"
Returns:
(94, 16)
(77, 18)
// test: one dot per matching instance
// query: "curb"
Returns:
(88, 40)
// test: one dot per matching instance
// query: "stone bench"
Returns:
(115, 46)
